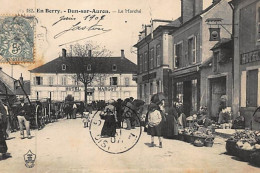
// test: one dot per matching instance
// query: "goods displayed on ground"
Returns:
(245, 145)
(197, 136)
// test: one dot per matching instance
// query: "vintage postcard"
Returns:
(129, 86)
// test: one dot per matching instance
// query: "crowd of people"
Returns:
(157, 118)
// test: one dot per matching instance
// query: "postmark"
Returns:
(124, 139)
(16, 39)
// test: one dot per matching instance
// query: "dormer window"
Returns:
(114, 67)
(89, 67)
(63, 67)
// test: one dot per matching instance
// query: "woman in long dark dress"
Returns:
(3, 146)
(109, 127)
(170, 128)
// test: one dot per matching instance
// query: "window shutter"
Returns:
(41, 81)
(174, 56)
(258, 97)
(243, 89)
(194, 49)
(34, 80)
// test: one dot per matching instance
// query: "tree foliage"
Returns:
(86, 69)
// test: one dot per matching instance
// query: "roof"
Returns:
(26, 87)
(175, 23)
(223, 43)
(207, 62)
(198, 15)
(98, 65)
(171, 26)
(5, 89)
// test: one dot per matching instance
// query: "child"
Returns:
(85, 119)
(154, 123)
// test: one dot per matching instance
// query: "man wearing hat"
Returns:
(23, 118)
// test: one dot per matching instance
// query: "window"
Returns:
(89, 67)
(140, 63)
(158, 86)
(152, 58)
(158, 55)
(113, 81)
(192, 50)
(194, 95)
(252, 88)
(63, 80)
(76, 82)
(151, 88)
(215, 61)
(63, 95)
(179, 90)
(50, 80)
(51, 94)
(38, 80)
(145, 61)
(127, 81)
(77, 95)
(102, 81)
(114, 67)
(38, 95)
(177, 55)
(140, 91)
(258, 23)
(63, 67)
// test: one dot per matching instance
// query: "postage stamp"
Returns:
(121, 141)
(16, 39)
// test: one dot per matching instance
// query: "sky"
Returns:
(117, 29)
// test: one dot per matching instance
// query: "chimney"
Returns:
(64, 53)
(122, 53)
(89, 53)
(190, 8)
(21, 79)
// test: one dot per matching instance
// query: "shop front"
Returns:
(186, 89)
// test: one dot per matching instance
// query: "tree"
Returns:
(86, 68)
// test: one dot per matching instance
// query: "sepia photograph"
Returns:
(100, 86)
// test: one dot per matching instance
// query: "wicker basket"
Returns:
(181, 137)
(255, 158)
(244, 155)
(198, 143)
(209, 142)
(190, 138)
(202, 139)
(231, 147)
(186, 137)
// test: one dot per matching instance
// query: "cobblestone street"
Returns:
(65, 146)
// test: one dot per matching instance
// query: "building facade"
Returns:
(217, 78)
(154, 50)
(113, 79)
(192, 48)
(246, 57)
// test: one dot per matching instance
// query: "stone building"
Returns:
(246, 96)
(113, 78)
(192, 48)
(154, 50)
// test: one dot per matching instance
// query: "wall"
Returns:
(207, 74)
(182, 35)
(122, 91)
(165, 41)
(223, 11)
(245, 41)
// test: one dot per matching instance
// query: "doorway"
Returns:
(217, 89)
